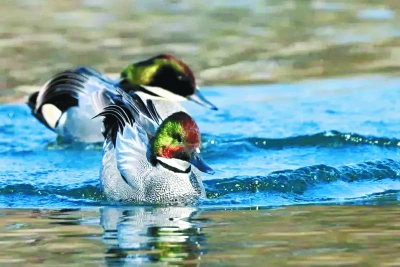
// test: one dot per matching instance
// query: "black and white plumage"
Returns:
(64, 103)
(130, 172)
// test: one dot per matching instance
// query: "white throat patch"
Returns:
(175, 163)
(162, 93)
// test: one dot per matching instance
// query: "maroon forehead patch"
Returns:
(190, 129)
(192, 133)
(185, 67)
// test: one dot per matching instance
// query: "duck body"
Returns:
(64, 104)
(147, 184)
(132, 170)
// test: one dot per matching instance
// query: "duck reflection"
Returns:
(146, 234)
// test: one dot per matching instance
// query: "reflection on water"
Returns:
(132, 236)
(143, 235)
(113, 236)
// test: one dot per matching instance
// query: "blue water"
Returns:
(316, 141)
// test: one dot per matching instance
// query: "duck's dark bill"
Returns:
(199, 163)
(201, 100)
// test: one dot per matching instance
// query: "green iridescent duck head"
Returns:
(177, 143)
(167, 77)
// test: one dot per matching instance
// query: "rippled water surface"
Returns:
(324, 141)
(316, 141)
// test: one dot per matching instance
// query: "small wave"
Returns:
(311, 184)
(89, 192)
(299, 180)
(59, 144)
(215, 145)
(324, 139)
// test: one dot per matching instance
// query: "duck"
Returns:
(64, 104)
(148, 159)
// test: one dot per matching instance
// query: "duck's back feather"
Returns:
(70, 88)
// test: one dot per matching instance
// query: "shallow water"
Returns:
(130, 236)
(306, 173)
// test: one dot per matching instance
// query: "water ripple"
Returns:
(299, 180)
(277, 188)
(323, 139)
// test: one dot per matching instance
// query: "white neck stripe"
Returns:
(163, 93)
(175, 163)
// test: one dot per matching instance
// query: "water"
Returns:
(186, 236)
(306, 173)
(317, 141)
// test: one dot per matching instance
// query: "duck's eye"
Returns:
(180, 77)
(177, 137)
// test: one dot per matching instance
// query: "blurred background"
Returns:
(224, 42)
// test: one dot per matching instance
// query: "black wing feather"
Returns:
(129, 108)
(153, 111)
(62, 90)
(139, 106)
(115, 119)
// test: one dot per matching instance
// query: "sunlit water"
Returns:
(318, 141)
(327, 141)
